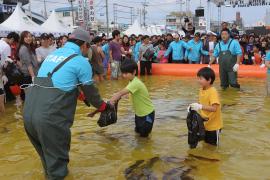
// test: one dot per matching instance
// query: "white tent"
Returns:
(154, 30)
(159, 30)
(54, 25)
(145, 32)
(149, 30)
(18, 21)
(136, 29)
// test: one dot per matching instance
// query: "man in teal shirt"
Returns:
(177, 49)
(51, 101)
(228, 51)
(194, 51)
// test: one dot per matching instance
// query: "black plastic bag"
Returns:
(13, 73)
(109, 116)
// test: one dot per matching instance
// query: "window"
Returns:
(66, 14)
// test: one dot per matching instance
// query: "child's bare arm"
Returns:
(212, 108)
(118, 95)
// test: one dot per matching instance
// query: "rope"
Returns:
(26, 86)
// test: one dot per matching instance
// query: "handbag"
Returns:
(149, 54)
(13, 73)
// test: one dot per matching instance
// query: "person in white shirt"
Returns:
(5, 54)
(44, 50)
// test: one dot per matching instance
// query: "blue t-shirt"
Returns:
(77, 70)
(235, 48)
(177, 49)
(267, 58)
(106, 51)
(195, 54)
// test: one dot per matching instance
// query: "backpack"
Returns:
(196, 129)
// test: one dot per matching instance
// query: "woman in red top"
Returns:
(256, 58)
(126, 46)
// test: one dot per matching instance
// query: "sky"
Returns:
(157, 10)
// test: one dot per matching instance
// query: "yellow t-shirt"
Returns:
(209, 97)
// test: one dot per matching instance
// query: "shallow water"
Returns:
(116, 152)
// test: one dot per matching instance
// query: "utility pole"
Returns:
(107, 18)
(71, 2)
(145, 4)
(181, 6)
(219, 16)
(45, 9)
(208, 26)
(187, 7)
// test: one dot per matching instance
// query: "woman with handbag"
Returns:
(146, 55)
(28, 60)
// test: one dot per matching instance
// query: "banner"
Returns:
(80, 11)
(91, 11)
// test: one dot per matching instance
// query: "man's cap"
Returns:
(211, 33)
(175, 36)
(197, 34)
(81, 34)
(44, 36)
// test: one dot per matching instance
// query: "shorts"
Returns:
(115, 69)
(144, 125)
(212, 137)
(2, 92)
(98, 69)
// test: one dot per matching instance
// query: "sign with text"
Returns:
(91, 11)
(80, 11)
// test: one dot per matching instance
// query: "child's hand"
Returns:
(114, 99)
(262, 66)
(196, 106)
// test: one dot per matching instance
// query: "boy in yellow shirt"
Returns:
(141, 102)
(209, 106)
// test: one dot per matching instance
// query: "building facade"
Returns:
(65, 15)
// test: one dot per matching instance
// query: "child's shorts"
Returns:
(212, 137)
(144, 125)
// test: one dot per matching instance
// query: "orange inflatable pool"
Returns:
(192, 69)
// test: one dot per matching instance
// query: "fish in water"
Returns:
(142, 169)
(204, 158)
(172, 159)
(228, 105)
(179, 173)
(4, 130)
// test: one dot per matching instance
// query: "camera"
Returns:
(186, 20)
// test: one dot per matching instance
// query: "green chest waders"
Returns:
(48, 115)
(226, 62)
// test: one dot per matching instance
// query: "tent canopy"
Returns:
(18, 21)
(54, 25)
(136, 29)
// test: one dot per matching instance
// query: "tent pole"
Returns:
(30, 11)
